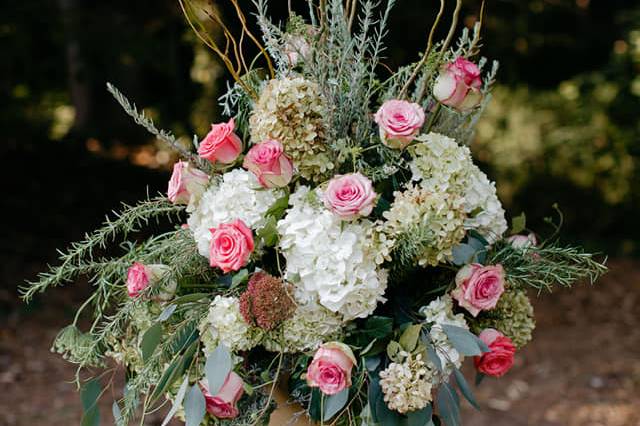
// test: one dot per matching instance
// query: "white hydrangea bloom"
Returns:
(237, 196)
(438, 313)
(224, 324)
(484, 210)
(407, 386)
(329, 261)
(310, 326)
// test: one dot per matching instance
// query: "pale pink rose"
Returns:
(269, 163)
(296, 48)
(523, 241)
(478, 287)
(186, 183)
(223, 405)
(141, 276)
(330, 369)
(500, 357)
(350, 196)
(221, 144)
(399, 122)
(458, 85)
(231, 246)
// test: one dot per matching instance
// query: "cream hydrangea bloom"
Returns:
(407, 386)
(224, 325)
(329, 261)
(484, 210)
(291, 110)
(237, 196)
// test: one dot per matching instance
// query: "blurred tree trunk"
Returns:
(77, 75)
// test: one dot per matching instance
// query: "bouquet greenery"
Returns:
(334, 238)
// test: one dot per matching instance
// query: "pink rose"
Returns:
(269, 163)
(231, 246)
(223, 404)
(458, 85)
(350, 196)
(479, 287)
(141, 276)
(221, 144)
(399, 122)
(186, 183)
(330, 369)
(523, 241)
(499, 359)
(296, 48)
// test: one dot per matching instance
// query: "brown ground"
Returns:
(583, 367)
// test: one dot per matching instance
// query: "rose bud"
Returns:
(221, 144)
(296, 48)
(350, 196)
(458, 85)
(330, 369)
(399, 122)
(223, 404)
(500, 357)
(269, 163)
(186, 184)
(141, 276)
(522, 242)
(478, 287)
(231, 246)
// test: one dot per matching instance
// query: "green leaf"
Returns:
(150, 341)
(378, 327)
(194, 406)
(173, 371)
(269, 232)
(314, 404)
(409, 338)
(217, 368)
(379, 411)
(279, 207)
(518, 223)
(177, 403)
(448, 405)
(240, 277)
(479, 378)
(462, 340)
(89, 395)
(190, 298)
(420, 417)
(166, 313)
(393, 348)
(465, 389)
(334, 403)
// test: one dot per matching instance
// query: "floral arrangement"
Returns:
(333, 238)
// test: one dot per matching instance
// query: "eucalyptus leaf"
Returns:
(217, 368)
(334, 403)
(420, 417)
(151, 340)
(433, 357)
(448, 405)
(463, 254)
(89, 395)
(194, 406)
(462, 340)
(117, 414)
(409, 338)
(372, 362)
(465, 389)
(479, 378)
(166, 313)
(177, 403)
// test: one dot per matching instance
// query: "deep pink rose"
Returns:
(458, 85)
(186, 182)
(399, 122)
(350, 196)
(499, 359)
(269, 163)
(231, 246)
(141, 276)
(479, 287)
(330, 369)
(221, 144)
(223, 404)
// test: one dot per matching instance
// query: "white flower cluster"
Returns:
(438, 313)
(484, 210)
(237, 196)
(329, 261)
(407, 386)
(310, 326)
(224, 324)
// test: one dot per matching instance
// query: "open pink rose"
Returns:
(350, 196)
(499, 359)
(231, 246)
(399, 122)
(223, 405)
(221, 144)
(141, 276)
(330, 369)
(479, 287)
(269, 163)
(186, 183)
(458, 85)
